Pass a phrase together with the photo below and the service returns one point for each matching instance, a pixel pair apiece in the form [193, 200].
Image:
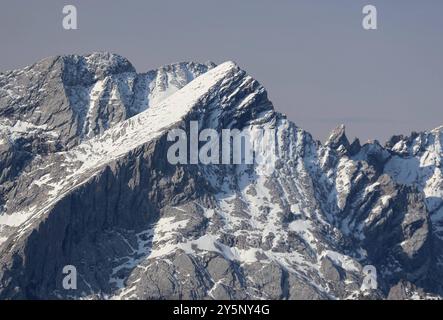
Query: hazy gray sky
[318, 64]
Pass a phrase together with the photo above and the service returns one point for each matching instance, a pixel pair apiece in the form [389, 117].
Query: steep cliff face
[61, 101]
[86, 182]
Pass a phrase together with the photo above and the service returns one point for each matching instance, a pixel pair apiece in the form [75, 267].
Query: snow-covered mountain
[85, 181]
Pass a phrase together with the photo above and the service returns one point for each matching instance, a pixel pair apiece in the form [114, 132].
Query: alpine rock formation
[85, 182]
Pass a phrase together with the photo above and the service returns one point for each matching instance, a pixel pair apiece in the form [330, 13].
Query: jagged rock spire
[338, 139]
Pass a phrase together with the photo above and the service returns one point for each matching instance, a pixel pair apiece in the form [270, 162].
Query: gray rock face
[60, 102]
[85, 181]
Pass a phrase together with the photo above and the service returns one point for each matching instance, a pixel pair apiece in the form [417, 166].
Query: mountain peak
[438, 129]
[97, 65]
[187, 65]
[338, 138]
[85, 149]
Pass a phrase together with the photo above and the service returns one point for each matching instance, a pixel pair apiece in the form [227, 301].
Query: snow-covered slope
[96, 191]
[76, 165]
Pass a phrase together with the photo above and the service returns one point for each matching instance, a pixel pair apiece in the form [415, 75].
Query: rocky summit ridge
[85, 181]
